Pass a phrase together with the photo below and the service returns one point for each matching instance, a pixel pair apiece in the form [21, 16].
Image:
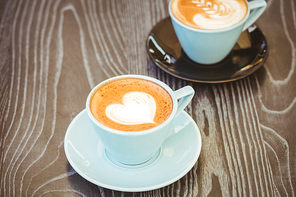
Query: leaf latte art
[209, 14]
[137, 108]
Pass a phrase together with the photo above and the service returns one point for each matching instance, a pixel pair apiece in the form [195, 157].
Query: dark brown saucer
[249, 53]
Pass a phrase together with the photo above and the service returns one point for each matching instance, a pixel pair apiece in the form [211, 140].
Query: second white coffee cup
[212, 46]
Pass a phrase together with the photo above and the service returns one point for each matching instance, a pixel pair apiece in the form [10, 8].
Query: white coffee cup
[132, 148]
[212, 46]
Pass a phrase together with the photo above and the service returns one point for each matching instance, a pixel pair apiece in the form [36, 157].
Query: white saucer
[176, 157]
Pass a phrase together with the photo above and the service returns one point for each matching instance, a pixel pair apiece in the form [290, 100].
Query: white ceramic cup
[134, 148]
[212, 46]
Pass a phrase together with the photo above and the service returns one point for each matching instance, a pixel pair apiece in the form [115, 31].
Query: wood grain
[52, 52]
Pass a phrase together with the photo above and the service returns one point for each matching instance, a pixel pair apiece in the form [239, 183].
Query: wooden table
[52, 52]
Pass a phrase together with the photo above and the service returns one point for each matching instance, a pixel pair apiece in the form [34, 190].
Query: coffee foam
[137, 108]
[112, 104]
[209, 14]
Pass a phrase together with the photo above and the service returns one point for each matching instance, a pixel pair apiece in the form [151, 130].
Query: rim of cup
[209, 30]
[141, 132]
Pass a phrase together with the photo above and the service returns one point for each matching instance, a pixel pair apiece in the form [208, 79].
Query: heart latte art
[209, 14]
[137, 108]
[131, 104]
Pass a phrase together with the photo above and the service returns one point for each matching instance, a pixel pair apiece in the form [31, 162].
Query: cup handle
[185, 95]
[258, 8]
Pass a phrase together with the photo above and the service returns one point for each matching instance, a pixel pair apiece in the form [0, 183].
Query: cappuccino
[131, 104]
[209, 14]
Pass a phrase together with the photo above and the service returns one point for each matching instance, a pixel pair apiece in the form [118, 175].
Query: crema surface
[209, 14]
[131, 104]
